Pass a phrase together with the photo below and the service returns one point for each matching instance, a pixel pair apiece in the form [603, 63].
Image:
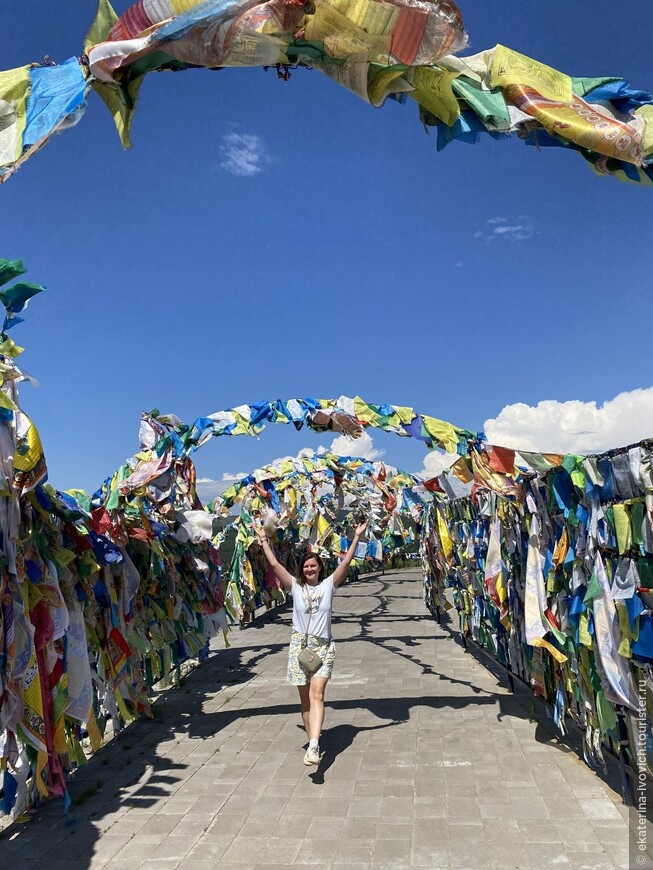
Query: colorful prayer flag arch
[378, 49]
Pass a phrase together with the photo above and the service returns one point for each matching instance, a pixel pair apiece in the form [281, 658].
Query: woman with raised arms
[312, 595]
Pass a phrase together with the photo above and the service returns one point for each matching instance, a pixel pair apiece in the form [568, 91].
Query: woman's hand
[360, 528]
[259, 531]
[341, 571]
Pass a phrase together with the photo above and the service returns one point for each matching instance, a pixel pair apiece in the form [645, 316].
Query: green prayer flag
[490, 106]
[15, 298]
[593, 590]
[10, 269]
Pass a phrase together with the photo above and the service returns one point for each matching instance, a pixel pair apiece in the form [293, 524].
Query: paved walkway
[429, 761]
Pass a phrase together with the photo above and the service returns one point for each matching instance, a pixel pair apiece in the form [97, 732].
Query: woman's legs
[305, 704]
[311, 699]
[316, 690]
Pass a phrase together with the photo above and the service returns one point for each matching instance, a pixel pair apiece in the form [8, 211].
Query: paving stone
[433, 857]
[400, 831]
[549, 856]
[582, 861]
[210, 847]
[155, 839]
[612, 832]
[289, 826]
[539, 831]
[134, 855]
[508, 856]
[354, 851]
[227, 824]
[317, 850]
[108, 846]
[160, 864]
[429, 808]
[392, 850]
[599, 809]
[468, 853]
[369, 808]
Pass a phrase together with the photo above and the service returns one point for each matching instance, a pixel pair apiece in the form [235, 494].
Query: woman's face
[311, 570]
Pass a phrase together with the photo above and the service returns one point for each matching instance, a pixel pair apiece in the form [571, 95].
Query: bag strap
[310, 613]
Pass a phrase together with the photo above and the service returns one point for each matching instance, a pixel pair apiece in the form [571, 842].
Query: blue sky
[355, 260]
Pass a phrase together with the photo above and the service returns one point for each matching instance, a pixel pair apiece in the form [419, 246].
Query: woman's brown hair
[300, 568]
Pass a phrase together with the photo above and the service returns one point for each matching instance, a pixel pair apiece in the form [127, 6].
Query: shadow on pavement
[336, 740]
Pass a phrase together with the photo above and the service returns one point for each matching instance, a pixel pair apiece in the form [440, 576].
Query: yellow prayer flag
[443, 433]
[381, 84]
[433, 91]
[584, 636]
[557, 655]
[323, 527]
[63, 556]
[15, 86]
[445, 537]
[462, 470]
[646, 113]
[105, 18]
[624, 648]
[6, 402]
[364, 412]
[622, 528]
[41, 765]
[27, 460]
[561, 549]
[93, 731]
[7, 347]
[511, 68]
[184, 5]
[119, 99]
[405, 414]
[248, 574]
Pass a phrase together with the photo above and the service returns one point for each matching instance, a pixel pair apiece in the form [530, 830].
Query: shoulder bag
[308, 659]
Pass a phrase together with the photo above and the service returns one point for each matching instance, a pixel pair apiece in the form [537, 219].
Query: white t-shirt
[316, 600]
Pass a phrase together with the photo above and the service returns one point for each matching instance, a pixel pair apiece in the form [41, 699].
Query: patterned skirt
[326, 649]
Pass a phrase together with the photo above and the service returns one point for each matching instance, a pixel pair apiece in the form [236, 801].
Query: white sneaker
[312, 756]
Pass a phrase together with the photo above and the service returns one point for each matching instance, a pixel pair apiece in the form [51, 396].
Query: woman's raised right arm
[282, 574]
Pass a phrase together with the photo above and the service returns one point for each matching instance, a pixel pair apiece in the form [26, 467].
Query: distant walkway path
[429, 762]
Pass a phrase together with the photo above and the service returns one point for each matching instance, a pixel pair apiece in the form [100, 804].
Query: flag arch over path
[378, 49]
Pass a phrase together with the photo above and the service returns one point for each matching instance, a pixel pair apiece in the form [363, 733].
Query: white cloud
[435, 463]
[244, 154]
[574, 426]
[500, 228]
[308, 452]
[520, 231]
[362, 447]
[208, 489]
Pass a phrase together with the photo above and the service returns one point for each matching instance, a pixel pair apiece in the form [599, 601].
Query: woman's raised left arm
[341, 571]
